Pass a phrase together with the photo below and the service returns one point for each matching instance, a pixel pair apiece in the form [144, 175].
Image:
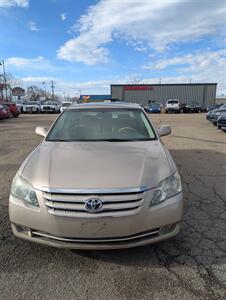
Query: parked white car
[173, 105]
[31, 107]
[64, 106]
[50, 107]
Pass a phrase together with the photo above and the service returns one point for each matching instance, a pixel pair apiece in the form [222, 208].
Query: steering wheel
[127, 128]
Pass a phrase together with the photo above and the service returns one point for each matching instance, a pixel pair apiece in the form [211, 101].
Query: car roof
[106, 105]
[220, 109]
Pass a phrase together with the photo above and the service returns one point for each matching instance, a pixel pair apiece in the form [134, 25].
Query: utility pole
[52, 87]
[160, 80]
[44, 84]
[190, 80]
[4, 75]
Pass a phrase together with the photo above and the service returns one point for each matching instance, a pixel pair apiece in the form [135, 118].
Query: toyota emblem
[93, 205]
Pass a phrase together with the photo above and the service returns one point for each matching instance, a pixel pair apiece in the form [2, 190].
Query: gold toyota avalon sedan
[101, 179]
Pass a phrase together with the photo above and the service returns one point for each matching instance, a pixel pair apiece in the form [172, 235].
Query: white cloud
[157, 24]
[195, 60]
[73, 88]
[63, 16]
[37, 63]
[37, 80]
[205, 66]
[14, 3]
[33, 26]
[69, 87]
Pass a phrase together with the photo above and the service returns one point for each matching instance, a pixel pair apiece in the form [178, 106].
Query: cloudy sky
[88, 44]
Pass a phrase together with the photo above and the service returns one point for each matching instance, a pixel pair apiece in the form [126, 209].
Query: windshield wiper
[117, 140]
[96, 140]
[60, 140]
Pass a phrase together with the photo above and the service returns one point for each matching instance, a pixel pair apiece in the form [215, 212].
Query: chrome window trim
[94, 191]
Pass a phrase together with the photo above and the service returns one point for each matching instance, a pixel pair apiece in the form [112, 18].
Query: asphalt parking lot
[192, 266]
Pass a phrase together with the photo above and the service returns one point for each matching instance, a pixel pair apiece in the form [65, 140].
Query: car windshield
[32, 103]
[155, 105]
[49, 103]
[102, 125]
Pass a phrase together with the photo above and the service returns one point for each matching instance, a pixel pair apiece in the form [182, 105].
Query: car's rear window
[172, 101]
[102, 124]
[66, 104]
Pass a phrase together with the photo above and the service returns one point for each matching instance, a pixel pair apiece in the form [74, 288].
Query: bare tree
[134, 79]
[34, 93]
[12, 81]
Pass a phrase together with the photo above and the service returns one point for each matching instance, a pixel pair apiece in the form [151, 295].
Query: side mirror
[164, 130]
[41, 130]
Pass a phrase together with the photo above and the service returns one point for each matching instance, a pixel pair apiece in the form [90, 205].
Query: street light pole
[2, 63]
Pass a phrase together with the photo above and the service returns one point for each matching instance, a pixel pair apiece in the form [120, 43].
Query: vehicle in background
[77, 203]
[223, 106]
[212, 107]
[4, 112]
[64, 106]
[50, 107]
[31, 107]
[173, 105]
[19, 104]
[216, 114]
[221, 122]
[14, 111]
[153, 108]
[208, 114]
[193, 107]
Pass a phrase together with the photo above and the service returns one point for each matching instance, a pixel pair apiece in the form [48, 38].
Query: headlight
[24, 190]
[167, 188]
[217, 113]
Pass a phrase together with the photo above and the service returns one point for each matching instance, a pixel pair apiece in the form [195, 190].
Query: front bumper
[221, 122]
[150, 225]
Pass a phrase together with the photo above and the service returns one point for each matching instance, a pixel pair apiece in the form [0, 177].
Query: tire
[11, 115]
[218, 126]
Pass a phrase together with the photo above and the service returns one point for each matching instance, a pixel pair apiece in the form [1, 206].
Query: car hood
[98, 165]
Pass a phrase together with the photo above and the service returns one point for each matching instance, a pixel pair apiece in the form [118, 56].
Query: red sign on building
[137, 88]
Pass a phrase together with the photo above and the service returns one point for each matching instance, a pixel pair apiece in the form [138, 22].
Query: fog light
[167, 228]
[24, 230]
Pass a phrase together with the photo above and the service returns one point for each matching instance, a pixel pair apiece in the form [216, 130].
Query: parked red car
[4, 112]
[14, 110]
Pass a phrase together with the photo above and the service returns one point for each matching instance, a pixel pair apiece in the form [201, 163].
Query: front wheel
[218, 126]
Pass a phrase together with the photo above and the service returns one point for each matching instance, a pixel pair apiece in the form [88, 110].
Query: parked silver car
[173, 105]
[101, 179]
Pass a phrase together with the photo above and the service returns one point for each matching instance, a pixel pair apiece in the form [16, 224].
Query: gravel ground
[192, 266]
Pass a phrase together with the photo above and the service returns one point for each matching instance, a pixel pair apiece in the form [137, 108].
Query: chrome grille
[73, 205]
